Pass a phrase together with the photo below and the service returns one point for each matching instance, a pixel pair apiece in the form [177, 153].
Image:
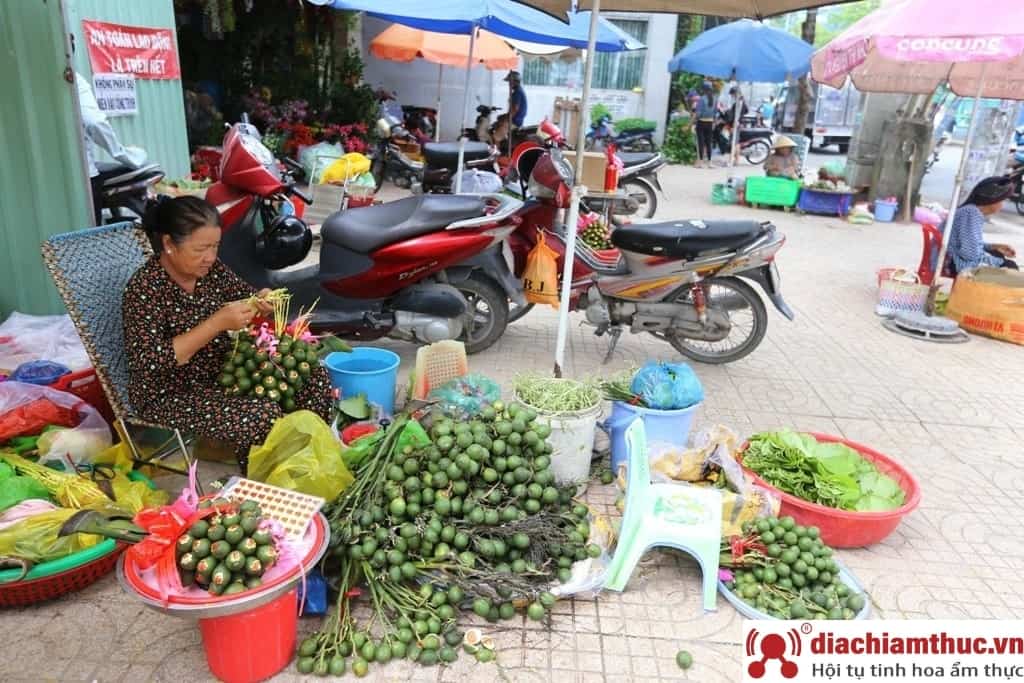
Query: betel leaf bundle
[830, 474]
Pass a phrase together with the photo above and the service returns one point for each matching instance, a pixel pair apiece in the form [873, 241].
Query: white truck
[833, 113]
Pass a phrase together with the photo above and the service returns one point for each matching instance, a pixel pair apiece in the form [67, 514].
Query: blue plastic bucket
[885, 211]
[366, 370]
[670, 426]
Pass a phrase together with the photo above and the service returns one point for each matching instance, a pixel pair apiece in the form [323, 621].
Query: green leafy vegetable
[830, 474]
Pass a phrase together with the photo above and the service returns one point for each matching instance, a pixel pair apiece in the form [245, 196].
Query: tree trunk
[803, 106]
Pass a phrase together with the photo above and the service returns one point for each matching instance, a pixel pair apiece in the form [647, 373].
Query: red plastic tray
[845, 528]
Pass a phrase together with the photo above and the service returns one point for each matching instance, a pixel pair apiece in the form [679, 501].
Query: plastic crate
[828, 203]
[722, 194]
[772, 191]
[86, 385]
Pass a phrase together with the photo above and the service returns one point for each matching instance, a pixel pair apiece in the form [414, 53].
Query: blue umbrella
[746, 50]
[503, 17]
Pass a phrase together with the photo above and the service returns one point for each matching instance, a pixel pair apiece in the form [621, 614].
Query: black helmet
[284, 243]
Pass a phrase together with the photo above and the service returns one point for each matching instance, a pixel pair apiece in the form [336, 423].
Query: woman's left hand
[1005, 249]
[262, 305]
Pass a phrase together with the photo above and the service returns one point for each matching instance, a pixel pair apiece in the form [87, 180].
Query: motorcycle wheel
[516, 312]
[487, 317]
[1020, 204]
[644, 195]
[742, 303]
[757, 152]
[377, 170]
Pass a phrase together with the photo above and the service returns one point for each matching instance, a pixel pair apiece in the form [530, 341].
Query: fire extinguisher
[611, 169]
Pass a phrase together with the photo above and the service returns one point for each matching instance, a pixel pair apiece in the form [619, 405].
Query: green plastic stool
[688, 518]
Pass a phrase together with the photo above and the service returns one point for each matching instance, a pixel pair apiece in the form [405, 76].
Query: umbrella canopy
[506, 18]
[757, 9]
[746, 50]
[404, 44]
[914, 46]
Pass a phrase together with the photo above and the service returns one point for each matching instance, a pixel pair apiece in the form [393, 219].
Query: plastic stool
[688, 518]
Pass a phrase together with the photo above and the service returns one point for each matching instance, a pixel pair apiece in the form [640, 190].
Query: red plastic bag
[33, 417]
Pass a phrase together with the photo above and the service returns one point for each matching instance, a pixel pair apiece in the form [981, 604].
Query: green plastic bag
[16, 489]
[301, 454]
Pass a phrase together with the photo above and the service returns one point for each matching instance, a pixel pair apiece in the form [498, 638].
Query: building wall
[159, 127]
[43, 187]
[416, 83]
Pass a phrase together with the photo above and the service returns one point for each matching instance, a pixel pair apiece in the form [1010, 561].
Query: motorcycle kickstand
[615, 332]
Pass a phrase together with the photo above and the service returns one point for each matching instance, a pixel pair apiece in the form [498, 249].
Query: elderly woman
[967, 248]
[783, 161]
[178, 308]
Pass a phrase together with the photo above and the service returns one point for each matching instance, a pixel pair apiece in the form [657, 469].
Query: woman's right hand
[234, 316]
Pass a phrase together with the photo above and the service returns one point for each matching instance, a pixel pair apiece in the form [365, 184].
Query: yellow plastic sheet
[301, 454]
[35, 538]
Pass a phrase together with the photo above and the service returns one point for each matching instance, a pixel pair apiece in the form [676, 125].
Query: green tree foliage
[680, 141]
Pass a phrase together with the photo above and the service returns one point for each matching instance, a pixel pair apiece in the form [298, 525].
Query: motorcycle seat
[754, 133]
[446, 154]
[119, 174]
[685, 239]
[635, 158]
[366, 229]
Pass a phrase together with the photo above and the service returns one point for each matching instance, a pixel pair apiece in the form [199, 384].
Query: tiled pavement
[952, 414]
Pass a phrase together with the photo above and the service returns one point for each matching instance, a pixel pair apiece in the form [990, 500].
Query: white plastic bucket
[572, 443]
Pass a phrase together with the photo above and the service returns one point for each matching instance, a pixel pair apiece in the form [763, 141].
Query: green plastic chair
[687, 518]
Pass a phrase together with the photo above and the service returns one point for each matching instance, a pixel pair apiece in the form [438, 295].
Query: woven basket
[901, 292]
[99, 561]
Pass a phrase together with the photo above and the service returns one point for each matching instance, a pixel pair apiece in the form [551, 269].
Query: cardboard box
[990, 302]
[594, 164]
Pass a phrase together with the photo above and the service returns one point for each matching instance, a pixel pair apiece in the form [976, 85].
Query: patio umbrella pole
[437, 114]
[735, 124]
[465, 112]
[957, 186]
[574, 200]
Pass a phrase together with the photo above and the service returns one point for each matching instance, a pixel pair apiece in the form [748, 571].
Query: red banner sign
[139, 50]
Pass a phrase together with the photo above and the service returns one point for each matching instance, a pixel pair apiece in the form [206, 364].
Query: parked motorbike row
[432, 266]
[437, 266]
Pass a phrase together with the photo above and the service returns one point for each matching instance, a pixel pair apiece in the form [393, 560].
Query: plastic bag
[16, 489]
[315, 158]
[667, 386]
[345, 167]
[475, 181]
[23, 510]
[302, 454]
[466, 396]
[25, 338]
[28, 409]
[136, 495]
[709, 461]
[35, 538]
[540, 277]
[40, 372]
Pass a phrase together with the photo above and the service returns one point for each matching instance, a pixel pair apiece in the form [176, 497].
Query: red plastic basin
[845, 528]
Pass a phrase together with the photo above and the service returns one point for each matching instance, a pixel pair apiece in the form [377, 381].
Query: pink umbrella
[914, 46]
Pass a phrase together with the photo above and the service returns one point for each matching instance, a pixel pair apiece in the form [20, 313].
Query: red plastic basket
[86, 385]
[845, 528]
[21, 593]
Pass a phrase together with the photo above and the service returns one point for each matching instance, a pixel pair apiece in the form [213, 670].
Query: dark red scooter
[423, 269]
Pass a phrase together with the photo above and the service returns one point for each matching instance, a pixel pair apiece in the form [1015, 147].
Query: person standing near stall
[516, 100]
[705, 112]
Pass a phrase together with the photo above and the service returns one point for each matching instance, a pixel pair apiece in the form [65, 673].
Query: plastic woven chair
[91, 269]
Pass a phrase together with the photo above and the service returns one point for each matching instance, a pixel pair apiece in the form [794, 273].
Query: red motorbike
[422, 269]
[686, 282]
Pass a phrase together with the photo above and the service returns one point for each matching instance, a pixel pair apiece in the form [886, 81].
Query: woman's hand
[263, 306]
[1005, 249]
[234, 316]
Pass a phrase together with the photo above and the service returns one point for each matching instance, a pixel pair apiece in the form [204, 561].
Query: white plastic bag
[316, 158]
[72, 446]
[475, 181]
[25, 338]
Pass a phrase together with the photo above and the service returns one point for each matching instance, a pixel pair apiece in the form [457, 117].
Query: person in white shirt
[96, 131]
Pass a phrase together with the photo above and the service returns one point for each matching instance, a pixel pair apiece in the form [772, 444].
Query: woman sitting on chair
[177, 309]
[783, 161]
[967, 248]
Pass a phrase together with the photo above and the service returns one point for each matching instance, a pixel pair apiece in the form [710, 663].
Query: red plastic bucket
[845, 528]
[254, 645]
